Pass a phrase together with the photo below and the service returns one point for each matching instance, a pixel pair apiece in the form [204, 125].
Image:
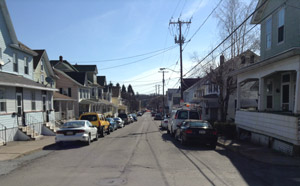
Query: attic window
[252, 59]
[243, 60]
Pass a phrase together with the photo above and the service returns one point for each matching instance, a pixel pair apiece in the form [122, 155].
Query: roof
[188, 82]
[115, 91]
[260, 7]
[80, 77]
[86, 68]
[7, 79]
[60, 97]
[56, 64]
[37, 59]
[101, 80]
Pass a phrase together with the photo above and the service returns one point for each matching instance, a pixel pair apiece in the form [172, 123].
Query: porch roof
[286, 54]
[60, 97]
[13, 80]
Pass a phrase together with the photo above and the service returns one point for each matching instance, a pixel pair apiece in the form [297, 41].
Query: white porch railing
[57, 116]
[70, 114]
[279, 126]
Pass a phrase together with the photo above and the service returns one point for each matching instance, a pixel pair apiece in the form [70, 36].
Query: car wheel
[101, 132]
[88, 142]
[97, 137]
[168, 131]
[183, 141]
[108, 130]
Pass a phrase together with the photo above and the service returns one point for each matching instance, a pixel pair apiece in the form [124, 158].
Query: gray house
[276, 123]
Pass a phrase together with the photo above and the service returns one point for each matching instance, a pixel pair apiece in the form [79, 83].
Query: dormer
[280, 26]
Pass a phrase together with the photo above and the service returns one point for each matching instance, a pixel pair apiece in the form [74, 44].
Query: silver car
[79, 130]
[119, 121]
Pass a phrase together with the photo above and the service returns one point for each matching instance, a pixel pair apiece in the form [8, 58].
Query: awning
[60, 97]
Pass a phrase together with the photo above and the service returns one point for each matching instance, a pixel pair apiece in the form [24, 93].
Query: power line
[118, 59]
[125, 64]
[226, 37]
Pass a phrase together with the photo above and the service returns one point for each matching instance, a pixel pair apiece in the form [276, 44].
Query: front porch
[275, 122]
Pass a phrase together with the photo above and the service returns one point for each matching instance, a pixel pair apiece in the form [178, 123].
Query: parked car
[153, 113]
[198, 131]
[130, 118]
[97, 120]
[124, 117]
[113, 125]
[178, 116]
[140, 113]
[120, 122]
[164, 123]
[158, 116]
[78, 130]
[134, 116]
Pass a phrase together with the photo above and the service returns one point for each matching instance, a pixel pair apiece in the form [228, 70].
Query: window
[269, 87]
[60, 90]
[183, 115]
[33, 104]
[42, 79]
[42, 65]
[26, 65]
[269, 102]
[286, 78]
[69, 92]
[2, 101]
[81, 93]
[93, 92]
[252, 59]
[281, 25]
[15, 62]
[243, 59]
[269, 33]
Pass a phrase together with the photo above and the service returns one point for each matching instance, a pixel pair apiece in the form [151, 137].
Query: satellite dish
[49, 80]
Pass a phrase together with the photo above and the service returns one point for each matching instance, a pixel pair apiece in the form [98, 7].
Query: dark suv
[124, 117]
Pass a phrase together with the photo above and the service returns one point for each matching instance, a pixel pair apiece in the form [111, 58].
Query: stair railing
[3, 131]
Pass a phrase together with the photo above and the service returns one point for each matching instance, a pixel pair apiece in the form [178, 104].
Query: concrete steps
[51, 127]
[30, 133]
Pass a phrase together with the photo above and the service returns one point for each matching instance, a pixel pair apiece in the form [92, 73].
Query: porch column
[297, 94]
[238, 96]
[67, 110]
[73, 103]
[261, 94]
[60, 113]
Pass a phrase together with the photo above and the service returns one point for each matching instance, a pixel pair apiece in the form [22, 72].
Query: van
[97, 120]
[178, 116]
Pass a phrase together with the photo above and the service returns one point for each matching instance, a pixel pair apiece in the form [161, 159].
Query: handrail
[3, 133]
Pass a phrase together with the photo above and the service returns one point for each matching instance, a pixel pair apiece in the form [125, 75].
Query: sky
[128, 40]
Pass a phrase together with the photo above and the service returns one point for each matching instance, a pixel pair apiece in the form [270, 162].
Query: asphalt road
[140, 155]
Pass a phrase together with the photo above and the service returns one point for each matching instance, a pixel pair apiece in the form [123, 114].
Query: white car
[119, 121]
[164, 123]
[78, 130]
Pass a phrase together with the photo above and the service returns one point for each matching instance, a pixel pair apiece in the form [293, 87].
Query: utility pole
[163, 81]
[180, 41]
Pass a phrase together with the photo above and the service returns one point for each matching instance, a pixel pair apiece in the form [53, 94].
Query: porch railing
[34, 125]
[3, 130]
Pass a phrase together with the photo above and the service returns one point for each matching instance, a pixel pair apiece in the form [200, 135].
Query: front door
[45, 107]
[19, 102]
[285, 87]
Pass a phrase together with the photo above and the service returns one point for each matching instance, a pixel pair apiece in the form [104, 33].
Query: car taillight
[59, 132]
[188, 131]
[214, 132]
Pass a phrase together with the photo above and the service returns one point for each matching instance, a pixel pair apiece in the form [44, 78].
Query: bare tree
[230, 16]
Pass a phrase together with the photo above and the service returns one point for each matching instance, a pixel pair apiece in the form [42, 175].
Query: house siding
[291, 29]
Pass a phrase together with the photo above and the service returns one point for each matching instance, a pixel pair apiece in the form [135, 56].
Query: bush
[227, 129]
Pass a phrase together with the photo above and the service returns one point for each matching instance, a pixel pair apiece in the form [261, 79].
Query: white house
[23, 102]
[276, 123]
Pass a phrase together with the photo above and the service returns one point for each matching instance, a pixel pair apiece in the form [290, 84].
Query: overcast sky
[92, 31]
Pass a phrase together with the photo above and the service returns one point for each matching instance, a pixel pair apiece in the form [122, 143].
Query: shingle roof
[101, 80]
[16, 80]
[36, 59]
[115, 91]
[58, 96]
[86, 68]
[188, 82]
[77, 76]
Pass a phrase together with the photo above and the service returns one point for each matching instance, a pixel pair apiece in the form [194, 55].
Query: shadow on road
[64, 146]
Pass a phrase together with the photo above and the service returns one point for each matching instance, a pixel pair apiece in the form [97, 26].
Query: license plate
[202, 132]
[69, 133]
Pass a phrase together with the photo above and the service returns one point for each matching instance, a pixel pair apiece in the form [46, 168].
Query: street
[142, 154]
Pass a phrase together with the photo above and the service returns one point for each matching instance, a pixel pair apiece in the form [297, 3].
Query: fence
[3, 131]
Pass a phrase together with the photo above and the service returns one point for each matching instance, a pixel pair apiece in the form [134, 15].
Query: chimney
[221, 60]
[60, 59]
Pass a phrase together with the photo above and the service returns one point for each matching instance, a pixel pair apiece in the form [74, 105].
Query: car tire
[108, 131]
[88, 142]
[97, 137]
[101, 133]
[168, 131]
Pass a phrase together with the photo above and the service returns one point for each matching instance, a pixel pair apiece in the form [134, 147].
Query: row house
[25, 104]
[205, 93]
[276, 123]
[105, 95]
[118, 101]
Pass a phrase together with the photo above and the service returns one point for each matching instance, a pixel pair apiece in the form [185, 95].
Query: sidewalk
[259, 153]
[17, 149]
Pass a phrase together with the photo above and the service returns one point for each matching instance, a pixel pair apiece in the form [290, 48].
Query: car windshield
[198, 124]
[89, 117]
[116, 119]
[183, 115]
[73, 124]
